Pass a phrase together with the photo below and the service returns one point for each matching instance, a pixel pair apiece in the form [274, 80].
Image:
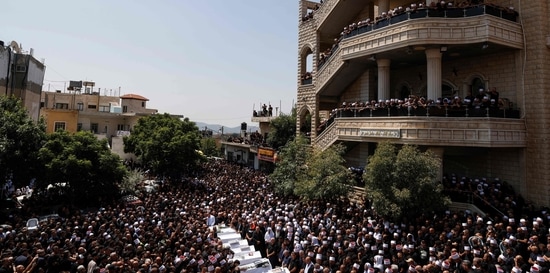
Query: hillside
[226, 130]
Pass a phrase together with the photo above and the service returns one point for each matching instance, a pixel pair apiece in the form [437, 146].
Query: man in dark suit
[308, 265]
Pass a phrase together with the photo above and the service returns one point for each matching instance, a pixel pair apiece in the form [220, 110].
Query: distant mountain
[226, 130]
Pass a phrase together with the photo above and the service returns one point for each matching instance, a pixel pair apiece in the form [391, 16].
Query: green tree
[20, 139]
[403, 183]
[90, 171]
[283, 129]
[165, 145]
[291, 166]
[209, 147]
[311, 174]
[326, 176]
[130, 182]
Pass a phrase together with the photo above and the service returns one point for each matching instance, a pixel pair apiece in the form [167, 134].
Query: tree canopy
[20, 139]
[311, 174]
[283, 129]
[209, 147]
[290, 167]
[325, 177]
[84, 167]
[166, 145]
[403, 182]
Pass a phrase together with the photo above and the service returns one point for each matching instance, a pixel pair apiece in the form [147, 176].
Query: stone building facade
[387, 51]
[108, 117]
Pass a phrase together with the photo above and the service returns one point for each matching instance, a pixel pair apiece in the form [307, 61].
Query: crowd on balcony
[325, 55]
[484, 103]
[174, 231]
[440, 6]
[307, 78]
[267, 111]
[254, 139]
[309, 14]
[454, 7]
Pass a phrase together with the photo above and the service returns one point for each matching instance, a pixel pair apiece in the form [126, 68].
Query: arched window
[305, 124]
[404, 92]
[476, 84]
[306, 66]
[446, 90]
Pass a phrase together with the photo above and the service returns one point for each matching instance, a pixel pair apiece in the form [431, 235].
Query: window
[104, 108]
[79, 126]
[20, 68]
[59, 125]
[92, 106]
[120, 127]
[61, 106]
[94, 127]
[446, 91]
[80, 106]
[124, 109]
[143, 104]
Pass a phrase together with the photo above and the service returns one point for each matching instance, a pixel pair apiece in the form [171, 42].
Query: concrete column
[383, 79]
[438, 153]
[383, 6]
[433, 56]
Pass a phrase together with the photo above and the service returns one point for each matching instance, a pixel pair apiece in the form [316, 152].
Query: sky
[211, 61]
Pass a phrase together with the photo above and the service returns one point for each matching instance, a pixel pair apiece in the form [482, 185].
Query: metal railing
[506, 14]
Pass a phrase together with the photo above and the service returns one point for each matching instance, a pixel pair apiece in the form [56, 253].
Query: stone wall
[535, 85]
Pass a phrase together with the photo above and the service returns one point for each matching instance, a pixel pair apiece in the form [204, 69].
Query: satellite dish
[16, 47]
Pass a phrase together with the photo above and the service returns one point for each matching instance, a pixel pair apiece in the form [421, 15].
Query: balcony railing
[431, 131]
[325, 138]
[434, 13]
[433, 111]
[436, 111]
[333, 63]
[324, 10]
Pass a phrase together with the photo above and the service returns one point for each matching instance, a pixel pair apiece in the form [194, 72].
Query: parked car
[33, 224]
[47, 218]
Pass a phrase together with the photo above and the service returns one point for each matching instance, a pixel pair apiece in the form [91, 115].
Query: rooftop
[134, 96]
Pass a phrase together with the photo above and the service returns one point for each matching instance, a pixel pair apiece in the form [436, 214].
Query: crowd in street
[174, 230]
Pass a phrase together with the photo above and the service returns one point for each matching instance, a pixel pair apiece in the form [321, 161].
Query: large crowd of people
[174, 230]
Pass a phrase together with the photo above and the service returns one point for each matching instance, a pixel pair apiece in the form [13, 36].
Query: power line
[49, 67]
[53, 81]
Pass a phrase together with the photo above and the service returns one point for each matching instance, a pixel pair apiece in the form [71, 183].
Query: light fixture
[443, 49]
[372, 58]
[410, 50]
[485, 45]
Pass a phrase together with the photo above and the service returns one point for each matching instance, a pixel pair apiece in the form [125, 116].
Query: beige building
[247, 149]
[84, 108]
[387, 51]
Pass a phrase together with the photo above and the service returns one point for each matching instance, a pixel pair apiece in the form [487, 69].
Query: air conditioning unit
[20, 68]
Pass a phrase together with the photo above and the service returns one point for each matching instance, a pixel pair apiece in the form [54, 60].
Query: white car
[33, 224]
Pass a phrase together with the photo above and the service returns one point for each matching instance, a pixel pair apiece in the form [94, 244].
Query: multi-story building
[21, 75]
[249, 148]
[82, 107]
[367, 70]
